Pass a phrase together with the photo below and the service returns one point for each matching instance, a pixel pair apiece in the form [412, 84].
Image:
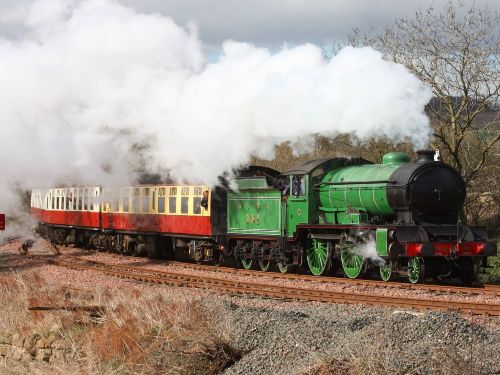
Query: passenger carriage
[148, 219]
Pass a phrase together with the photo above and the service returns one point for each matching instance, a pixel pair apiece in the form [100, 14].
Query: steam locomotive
[400, 218]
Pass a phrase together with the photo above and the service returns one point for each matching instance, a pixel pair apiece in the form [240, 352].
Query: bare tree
[456, 51]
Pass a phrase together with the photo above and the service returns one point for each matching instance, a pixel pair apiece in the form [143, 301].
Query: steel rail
[481, 289]
[489, 289]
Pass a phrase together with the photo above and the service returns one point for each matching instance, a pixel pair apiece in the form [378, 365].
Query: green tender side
[252, 183]
[254, 209]
[359, 187]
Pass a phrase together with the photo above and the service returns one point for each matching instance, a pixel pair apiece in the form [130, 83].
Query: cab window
[298, 185]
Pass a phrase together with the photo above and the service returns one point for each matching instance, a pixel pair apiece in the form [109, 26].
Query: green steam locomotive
[400, 217]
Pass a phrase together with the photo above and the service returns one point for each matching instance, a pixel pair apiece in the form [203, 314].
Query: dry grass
[137, 332]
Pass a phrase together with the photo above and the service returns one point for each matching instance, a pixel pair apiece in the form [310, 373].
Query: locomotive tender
[400, 216]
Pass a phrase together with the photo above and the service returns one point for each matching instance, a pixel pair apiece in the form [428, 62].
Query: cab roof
[326, 164]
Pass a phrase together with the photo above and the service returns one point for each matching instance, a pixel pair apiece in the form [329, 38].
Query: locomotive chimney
[424, 156]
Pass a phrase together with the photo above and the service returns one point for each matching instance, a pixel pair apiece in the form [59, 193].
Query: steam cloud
[368, 250]
[91, 78]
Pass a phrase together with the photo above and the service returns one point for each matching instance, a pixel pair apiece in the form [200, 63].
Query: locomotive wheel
[387, 271]
[264, 265]
[468, 270]
[218, 259]
[354, 265]
[416, 270]
[247, 263]
[283, 267]
[318, 256]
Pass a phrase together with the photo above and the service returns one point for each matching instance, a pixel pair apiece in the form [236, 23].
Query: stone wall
[51, 347]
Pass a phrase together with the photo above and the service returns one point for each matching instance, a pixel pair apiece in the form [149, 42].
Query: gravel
[295, 340]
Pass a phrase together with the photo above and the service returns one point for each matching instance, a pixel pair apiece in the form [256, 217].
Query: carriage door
[297, 206]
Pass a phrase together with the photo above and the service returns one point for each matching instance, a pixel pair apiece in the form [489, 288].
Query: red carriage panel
[72, 218]
[37, 214]
[177, 224]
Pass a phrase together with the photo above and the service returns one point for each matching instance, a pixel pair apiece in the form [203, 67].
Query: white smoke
[368, 250]
[93, 77]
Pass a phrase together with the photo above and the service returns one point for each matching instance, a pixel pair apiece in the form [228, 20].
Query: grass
[492, 274]
[136, 333]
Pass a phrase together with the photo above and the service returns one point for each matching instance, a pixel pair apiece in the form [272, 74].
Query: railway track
[225, 285]
[483, 289]
[489, 289]
[474, 290]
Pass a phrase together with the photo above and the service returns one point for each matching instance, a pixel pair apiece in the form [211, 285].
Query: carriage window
[91, 200]
[135, 204]
[172, 205]
[153, 203]
[173, 191]
[69, 200]
[125, 204]
[136, 192]
[197, 205]
[185, 190]
[145, 204]
[57, 203]
[116, 204]
[198, 190]
[85, 200]
[161, 191]
[53, 203]
[95, 204]
[184, 205]
[161, 205]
